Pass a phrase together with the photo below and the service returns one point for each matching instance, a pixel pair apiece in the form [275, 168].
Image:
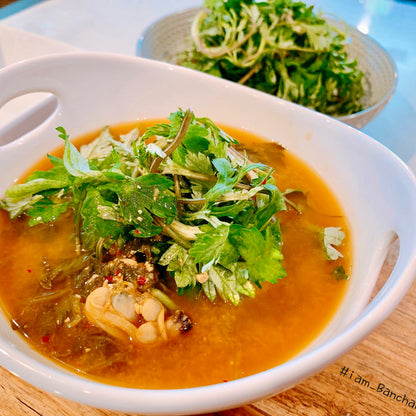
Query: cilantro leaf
[228, 177]
[332, 236]
[275, 204]
[45, 211]
[224, 283]
[178, 261]
[233, 210]
[27, 189]
[18, 206]
[213, 246]
[261, 253]
[74, 163]
[94, 226]
[147, 195]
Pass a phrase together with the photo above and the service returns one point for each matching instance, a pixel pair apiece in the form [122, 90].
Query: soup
[214, 339]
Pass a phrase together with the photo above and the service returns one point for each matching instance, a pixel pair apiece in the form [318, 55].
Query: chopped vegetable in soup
[172, 255]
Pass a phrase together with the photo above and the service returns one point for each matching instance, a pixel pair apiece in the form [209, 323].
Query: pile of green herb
[281, 47]
[215, 209]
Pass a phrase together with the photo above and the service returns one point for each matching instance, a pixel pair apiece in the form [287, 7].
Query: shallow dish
[168, 36]
[93, 90]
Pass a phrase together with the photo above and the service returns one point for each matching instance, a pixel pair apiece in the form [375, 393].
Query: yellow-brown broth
[226, 342]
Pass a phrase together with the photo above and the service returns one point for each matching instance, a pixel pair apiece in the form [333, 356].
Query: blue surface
[16, 7]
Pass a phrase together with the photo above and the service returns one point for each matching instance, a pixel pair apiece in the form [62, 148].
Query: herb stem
[163, 298]
[186, 121]
[249, 74]
[180, 232]
[215, 52]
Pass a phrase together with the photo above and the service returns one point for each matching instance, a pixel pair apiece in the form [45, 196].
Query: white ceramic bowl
[170, 35]
[375, 188]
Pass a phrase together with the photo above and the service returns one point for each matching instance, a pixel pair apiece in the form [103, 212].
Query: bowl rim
[217, 396]
[349, 118]
[377, 107]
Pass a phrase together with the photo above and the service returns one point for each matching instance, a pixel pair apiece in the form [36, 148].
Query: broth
[226, 342]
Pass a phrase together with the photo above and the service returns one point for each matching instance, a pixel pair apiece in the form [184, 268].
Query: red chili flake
[29, 270]
[264, 182]
[117, 272]
[225, 381]
[118, 252]
[141, 280]
[109, 279]
[136, 231]
[45, 339]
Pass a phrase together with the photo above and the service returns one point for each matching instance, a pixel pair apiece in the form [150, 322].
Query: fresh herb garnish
[215, 208]
[332, 237]
[278, 46]
[339, 273]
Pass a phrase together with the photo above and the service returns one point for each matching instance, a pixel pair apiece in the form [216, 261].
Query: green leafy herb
[332, 236]
[278, 46]
[217, 213]
[339, 273]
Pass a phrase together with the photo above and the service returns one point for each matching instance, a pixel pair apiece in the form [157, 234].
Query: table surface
[377, 377]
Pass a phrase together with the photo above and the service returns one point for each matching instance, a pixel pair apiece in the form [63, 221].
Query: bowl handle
[32, 76]
[24, 78]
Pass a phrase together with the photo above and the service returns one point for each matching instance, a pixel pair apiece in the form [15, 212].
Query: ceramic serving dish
[376, 190]
[170, 35]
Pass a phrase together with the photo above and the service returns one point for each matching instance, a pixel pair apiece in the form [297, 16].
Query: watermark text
[380, 388]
